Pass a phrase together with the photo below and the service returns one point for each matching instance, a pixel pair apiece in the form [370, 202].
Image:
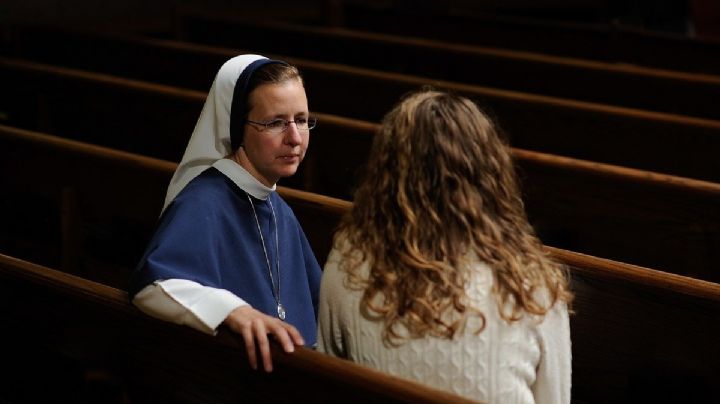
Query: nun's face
[267, 156]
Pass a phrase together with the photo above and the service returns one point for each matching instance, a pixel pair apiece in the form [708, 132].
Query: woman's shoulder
[281, 205]
[209, 180]
[209, 190]
[284, 212]
[343, 256]
[481, 285]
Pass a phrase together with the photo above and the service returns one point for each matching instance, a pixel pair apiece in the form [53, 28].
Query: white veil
[210, 141]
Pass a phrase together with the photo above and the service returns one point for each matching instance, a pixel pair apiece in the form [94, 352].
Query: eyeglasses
[278, 126]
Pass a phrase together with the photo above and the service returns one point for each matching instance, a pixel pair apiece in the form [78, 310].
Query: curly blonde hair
[440, 185]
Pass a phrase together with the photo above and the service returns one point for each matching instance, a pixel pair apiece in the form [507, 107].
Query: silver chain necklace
[275, 289]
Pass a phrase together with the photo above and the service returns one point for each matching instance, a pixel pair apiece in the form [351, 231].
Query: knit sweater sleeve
[554, 372]
[331, 302]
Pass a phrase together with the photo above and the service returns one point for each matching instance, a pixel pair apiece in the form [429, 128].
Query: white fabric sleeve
[188, 303]
[554, 373]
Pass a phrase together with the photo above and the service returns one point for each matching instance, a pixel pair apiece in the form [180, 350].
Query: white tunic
[524, 362]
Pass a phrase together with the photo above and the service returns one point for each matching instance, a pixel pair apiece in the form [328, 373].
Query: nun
[228, 249]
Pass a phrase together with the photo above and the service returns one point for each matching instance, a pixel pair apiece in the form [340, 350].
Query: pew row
[626, 215]
[634, 327]
[654, 89]
[93, 328]
[608, 42]
[654, 141]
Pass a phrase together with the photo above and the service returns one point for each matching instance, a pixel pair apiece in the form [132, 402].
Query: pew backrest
[607, 42]
[163, 362]
[641, 335]
[626, 85]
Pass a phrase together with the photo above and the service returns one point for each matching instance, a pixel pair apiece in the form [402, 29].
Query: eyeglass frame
[311, 122]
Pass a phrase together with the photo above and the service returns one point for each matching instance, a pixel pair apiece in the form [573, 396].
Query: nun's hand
[254, 328]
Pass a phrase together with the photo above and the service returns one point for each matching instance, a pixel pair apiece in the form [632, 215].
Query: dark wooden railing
[116, 352]
[683, 93]
[612, 43]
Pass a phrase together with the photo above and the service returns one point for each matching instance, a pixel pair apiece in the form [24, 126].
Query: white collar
[243, 179]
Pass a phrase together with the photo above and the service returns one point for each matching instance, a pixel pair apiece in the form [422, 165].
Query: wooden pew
[593, 208]
[641, 335]
[94, 330]
[634, 327]
[612, 43]
[654, 89]
[634, 214]
[654, 141]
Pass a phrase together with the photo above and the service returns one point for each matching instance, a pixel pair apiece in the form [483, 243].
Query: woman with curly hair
[436, 275]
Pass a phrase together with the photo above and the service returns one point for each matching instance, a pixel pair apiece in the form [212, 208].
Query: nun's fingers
[287, 335]
[262, 341]
[249, 339]
[241, 321]
[254, 327]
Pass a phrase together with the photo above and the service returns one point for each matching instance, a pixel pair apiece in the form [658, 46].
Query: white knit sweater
[524, 362]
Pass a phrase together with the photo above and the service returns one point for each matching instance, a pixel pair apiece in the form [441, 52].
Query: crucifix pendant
[281, 311]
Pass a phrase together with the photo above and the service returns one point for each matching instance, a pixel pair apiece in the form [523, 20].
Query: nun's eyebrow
[282, 115]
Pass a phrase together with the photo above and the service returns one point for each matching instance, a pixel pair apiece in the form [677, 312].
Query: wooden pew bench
[678, 145]
[662, 222]
[640, 87]
[65, 322]
[641, 335]
[611, 43]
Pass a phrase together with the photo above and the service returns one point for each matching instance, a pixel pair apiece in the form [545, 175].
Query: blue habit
[208, 234]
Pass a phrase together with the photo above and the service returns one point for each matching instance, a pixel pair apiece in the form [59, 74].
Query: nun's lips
[289, 157]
